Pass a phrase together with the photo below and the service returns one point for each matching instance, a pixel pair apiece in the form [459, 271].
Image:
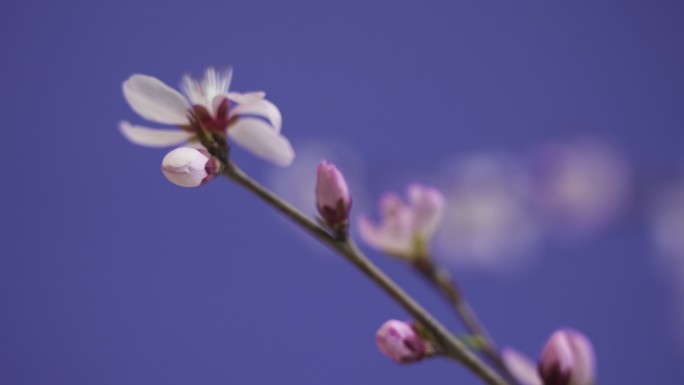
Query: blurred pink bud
[399, 341]
[189, 167]
[405, 229]
[332, 195]
[567, 359]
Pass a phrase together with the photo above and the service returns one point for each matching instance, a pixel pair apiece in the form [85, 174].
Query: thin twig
[451, 345]
[443, 282]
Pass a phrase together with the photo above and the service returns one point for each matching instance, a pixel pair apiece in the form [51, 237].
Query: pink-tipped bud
[399, 341]
[189, 167]
[333, 200]
[567, 359]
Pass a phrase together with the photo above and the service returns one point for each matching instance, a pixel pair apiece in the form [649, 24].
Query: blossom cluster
[207, 110]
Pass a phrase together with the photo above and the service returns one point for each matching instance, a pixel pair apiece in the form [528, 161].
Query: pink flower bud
[332, 195]
[399, 341]
[189, 167]
[567, 359]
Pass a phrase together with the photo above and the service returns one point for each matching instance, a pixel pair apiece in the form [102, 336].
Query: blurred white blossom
[580, 186]
[488, 222]
[667, 228]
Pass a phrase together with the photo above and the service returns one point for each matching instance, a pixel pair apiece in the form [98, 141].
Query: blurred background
[555, 129]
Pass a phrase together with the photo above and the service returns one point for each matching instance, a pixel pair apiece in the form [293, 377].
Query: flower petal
[155, 101]
[390, 237]
[263, 108]
[427, 204]
[521, 367]
[262, 140]
[249, 97]
[152, 137]
[371, 234]
[584, 356]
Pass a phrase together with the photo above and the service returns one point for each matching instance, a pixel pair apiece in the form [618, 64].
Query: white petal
[371, 234]
[427, 204]
[261, 108]
[203, 91]
[387, 237]
[521, 367]
[152, 137]
[155, 101]
[262, 140]
[249, 97]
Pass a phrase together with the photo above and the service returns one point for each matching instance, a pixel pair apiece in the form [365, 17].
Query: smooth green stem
[450, 345]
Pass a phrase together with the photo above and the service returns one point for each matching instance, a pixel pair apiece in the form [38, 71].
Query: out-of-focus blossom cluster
[667, 219]
[667, 226]
[500, 208]
[579, 187]
[495, 210]
[489, 218]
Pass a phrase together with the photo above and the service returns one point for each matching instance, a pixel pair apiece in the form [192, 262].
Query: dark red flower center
[207, 121]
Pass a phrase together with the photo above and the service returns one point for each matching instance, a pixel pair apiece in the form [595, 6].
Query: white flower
[253, 124]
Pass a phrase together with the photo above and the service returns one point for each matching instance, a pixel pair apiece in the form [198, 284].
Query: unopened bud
[399, 341]
[332, 195]
[567, 359]
[189, 167]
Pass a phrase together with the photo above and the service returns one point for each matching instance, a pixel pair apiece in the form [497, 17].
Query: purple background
[110, 275]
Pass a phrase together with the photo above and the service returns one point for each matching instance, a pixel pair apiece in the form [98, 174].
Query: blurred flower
[405, 229]
[667, 224]
[399, 341]
[332, 195]
[667, 227]
[253, 124]
[580, 186]
[567, 359]
[189, 167]
[488, 221]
